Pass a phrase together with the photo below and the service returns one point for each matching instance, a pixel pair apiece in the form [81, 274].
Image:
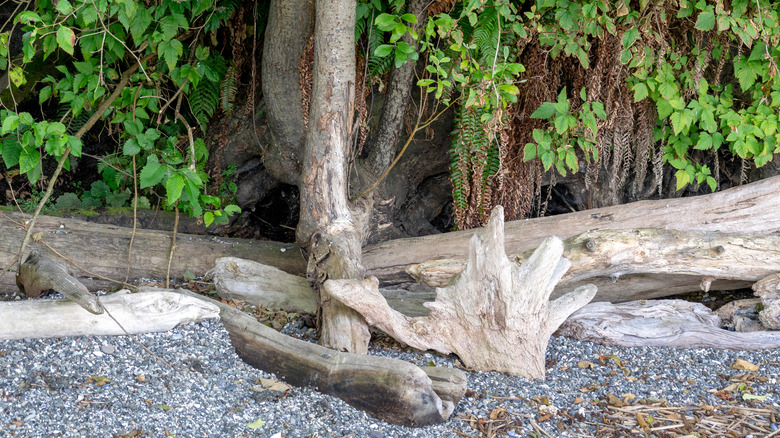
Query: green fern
[205, 99]
[486, 34]
[227, 90]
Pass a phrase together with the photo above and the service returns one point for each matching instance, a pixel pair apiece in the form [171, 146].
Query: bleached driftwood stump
[495, 315]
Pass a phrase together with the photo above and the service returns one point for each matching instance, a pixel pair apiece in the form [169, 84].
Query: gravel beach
[111, 387]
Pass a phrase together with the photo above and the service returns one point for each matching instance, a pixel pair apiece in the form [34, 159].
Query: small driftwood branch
[495, 315]
[39, 273]
[663, 323]
[389, 389]
[138, 313]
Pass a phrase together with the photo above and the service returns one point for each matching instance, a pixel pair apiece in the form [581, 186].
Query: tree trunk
[289, 27]
[327, 228]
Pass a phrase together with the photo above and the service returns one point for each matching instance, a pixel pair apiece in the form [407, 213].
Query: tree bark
[327, 228]
[290, 23]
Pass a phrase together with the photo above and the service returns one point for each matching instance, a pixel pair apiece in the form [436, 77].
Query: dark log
[389, 389]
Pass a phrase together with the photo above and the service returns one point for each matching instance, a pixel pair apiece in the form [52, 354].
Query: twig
[173, 248]
[135, 221]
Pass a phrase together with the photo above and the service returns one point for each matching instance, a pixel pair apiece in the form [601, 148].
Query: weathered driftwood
[138, 313]
[266, 286]
[635, 264]
[496, 315]
[749, 209]
[103, 250]
[40, 273]
[663, 323]
[389, 389]
[768, 289]
[740, 315]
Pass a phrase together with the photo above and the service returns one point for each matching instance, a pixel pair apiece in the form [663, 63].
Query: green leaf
[640, 91]
[10, 123]
[64, 7]
[131, 147]
[746, 75]
[174, 187]
[208, 218]
[11, 151]
[561, 124]
[706, 21]
[256, 424]
[152, 173]
[598, 108]
[68, 200]
[232, 209]
[29, 161]
[385, 22]
[66, 39]
[170, 51]
[683, 178]
[141, 21]
[383, 50]
[409, 18]
[571, 161]
[545, 111]
[705, 141]
[630, 37]
[530, 152]
[99, 190]
[754, 397]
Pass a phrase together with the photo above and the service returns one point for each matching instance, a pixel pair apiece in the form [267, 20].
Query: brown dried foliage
[306, 78]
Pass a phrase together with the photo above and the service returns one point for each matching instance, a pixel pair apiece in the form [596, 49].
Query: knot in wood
[590, 245]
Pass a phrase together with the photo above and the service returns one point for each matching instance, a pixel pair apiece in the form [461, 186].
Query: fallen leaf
[584, 364]
[165, 408]
[256, 424]
[141, 378]
[274, 385]
[754, 397]
[614, 400]
[578, 400]
[542, 400]
[232, 267]
[628, 396]
[740, 364]
[497, 413]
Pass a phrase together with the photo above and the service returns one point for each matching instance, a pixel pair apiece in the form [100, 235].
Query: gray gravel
[107, 386]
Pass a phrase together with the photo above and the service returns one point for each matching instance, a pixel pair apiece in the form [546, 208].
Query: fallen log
[663, 323]
[137, 313]
[749, 209]
[629, 265]
[495, 315]
[389, 389]
[266, 286]
[102, 249]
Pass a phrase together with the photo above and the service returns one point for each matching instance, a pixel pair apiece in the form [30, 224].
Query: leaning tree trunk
[327, 229]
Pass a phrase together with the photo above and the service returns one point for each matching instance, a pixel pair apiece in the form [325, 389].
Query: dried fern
[227, 91]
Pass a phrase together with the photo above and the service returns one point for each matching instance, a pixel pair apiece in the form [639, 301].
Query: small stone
[108, 348]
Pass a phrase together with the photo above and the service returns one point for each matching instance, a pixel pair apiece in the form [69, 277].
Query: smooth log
[102, 249]
[495, 315]
[137, 313]
[749, 209]
[389, 389]
[628, 265]
[266, 286]
[662, 323]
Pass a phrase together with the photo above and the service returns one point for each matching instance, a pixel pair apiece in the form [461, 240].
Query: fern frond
[227, 90]
[204, 101]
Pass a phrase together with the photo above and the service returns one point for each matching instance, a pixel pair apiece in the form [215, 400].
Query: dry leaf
[274, 385]
[584, 364]
[740, 364]
[141, 378]
[232, 267]
[628, 396]
[615, 400]
[578, 400]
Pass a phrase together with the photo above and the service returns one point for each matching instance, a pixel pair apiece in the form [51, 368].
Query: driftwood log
[266, 286]
[495, 315]
[389, 389]
[664, 323]
[768, 289]
[39, 273]
[750, 209]
[137, 313]
[634, 264]
[102, 249]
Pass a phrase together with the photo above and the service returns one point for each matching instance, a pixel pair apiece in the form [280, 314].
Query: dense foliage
[133, 65]
[617, 86]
